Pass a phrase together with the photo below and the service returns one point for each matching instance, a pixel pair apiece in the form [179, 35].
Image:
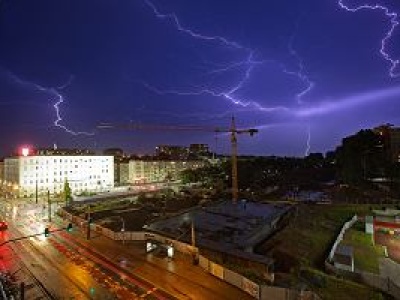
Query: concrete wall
[346, 226]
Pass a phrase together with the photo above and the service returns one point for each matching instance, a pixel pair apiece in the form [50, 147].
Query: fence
[254, 289]
[128, 235]
[384, 284]
[257, 291]
[339, 238]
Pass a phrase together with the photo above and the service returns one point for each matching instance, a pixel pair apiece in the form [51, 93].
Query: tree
[67, 192]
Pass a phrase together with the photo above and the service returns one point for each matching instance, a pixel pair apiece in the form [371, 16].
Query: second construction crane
[233, 131]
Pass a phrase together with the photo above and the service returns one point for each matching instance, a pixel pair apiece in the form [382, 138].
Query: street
[68, 266]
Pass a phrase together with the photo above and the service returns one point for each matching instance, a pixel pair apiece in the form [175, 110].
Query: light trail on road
[86, 252]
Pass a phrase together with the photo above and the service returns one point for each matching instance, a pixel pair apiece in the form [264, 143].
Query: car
[3, 225]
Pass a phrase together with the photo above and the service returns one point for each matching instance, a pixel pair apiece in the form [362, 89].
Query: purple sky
[306, 72]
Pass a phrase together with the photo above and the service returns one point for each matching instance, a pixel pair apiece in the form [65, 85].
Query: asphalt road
[67, 266]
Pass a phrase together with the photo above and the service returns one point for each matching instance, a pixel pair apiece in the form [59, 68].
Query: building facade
[43, 173]
[151, 171]
[391, 140]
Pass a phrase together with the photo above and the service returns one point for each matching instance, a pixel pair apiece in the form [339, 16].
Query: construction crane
[233, 131]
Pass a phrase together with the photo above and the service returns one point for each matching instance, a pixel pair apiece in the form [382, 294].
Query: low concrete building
[226, 230]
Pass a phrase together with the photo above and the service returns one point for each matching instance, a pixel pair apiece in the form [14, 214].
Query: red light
[25, 151]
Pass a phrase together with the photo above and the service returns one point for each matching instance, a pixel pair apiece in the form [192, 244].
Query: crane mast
[235, 185]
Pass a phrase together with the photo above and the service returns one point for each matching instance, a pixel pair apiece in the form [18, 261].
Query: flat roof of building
[225, 226]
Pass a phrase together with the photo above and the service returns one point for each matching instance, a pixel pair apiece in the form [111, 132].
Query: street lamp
[123, 230]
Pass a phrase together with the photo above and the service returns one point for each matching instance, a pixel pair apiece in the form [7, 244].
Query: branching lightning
[394, 23]
[193, 34]
[58, 98]
[300, 73]
[249, 63]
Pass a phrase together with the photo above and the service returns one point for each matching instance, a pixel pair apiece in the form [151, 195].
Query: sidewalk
[177, 276]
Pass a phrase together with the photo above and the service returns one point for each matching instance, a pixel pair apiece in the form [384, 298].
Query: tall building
[391, 140]
[119, 161]
[84, 173]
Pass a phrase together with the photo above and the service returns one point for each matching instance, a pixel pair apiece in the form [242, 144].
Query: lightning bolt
[228, 94]
[189, 32]
[58, 98]
[247, 66]
[300, 73]
[308, 144]
[394, 23]
[249, 63]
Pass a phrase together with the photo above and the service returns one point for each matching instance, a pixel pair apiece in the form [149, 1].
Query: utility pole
[88, 224]
[49, 204]
[195, 255]
[193, 236]
[22, 290]
[36, 192]
[123, 230]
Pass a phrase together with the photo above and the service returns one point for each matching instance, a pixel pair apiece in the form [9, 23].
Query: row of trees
[261, 173]
[360, 160]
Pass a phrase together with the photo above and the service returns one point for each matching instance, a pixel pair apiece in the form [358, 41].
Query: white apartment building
[87, 173]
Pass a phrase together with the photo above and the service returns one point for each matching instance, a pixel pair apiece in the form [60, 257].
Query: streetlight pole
[123, 230]
[88, 224]
[36, 191]
[49, 204]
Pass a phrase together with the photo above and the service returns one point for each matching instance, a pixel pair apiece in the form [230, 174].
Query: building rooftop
[224, 227]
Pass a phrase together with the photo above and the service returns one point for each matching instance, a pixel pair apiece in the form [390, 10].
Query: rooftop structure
[61, 151]
[225, 227]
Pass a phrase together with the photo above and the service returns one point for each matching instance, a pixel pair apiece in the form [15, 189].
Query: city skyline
[305, 74]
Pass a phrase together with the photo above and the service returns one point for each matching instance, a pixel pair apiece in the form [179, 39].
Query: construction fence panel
[108, 233]
[136, 236]
[250, 287]
[204, 263]
[118, 236]
[217, 270]
[233, 278]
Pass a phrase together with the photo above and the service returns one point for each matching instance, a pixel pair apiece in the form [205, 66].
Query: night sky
[305, 72]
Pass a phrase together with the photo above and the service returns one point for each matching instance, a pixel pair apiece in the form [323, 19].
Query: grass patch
[309, 237]
[333, 288]
[366, 254]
